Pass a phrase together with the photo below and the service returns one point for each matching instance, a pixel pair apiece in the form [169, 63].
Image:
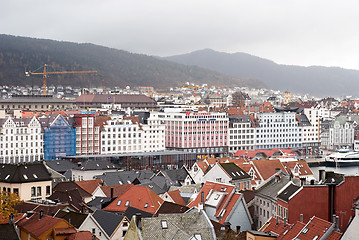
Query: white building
[278, 130]
[127, 134]
[21, 140]
[241, 133]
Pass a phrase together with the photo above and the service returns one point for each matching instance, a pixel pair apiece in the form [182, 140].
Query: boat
[342, 158]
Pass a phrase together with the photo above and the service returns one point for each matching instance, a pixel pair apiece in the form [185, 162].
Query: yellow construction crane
[45, 75]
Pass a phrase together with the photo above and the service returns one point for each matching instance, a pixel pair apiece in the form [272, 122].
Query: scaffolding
[59, 141]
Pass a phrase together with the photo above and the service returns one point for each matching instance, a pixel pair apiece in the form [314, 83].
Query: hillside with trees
[115, 67]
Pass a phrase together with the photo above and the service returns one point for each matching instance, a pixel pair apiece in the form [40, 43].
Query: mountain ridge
[316, 80]
[115, 67]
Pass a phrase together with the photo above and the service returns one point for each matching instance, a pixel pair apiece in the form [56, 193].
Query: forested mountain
[115, 67]
[316, 80]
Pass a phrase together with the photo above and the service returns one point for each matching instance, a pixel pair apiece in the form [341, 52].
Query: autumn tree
[7, 203]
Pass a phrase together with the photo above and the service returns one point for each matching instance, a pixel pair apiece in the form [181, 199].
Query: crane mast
[45, 74]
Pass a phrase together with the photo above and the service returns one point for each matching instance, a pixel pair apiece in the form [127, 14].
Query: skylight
[25, 176]
[127, 203]
[146, 205]
[119, 202]
[164, 224]
[7, 177]
[35, 176]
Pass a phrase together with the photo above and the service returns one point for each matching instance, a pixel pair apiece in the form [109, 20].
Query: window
[146, 205]
[48, 190]
[15, 190]
[124, 233]
[119, 202]
[38, 191]
[127, 203]
[33, 192]
[93, 231]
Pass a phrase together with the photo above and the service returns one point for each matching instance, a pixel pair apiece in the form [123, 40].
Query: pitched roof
[74, 218]
[60, 166]
[73, 197]
[302, 165]
[107, 220]
[177, 226]
[8, 231]
[125, 177]
[66, 186]
[114, 98]
[235, 172]
[24, 172]
[96, 165]
[286, 193]
[36, 226]
[137, 196]
[82, 235]
[118, 190]
[90, 185]
[266, 168]
[131, 211]
[170, 207]
[202, 165]
[176, 197]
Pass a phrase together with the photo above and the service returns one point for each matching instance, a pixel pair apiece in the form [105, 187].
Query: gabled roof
[23, 173]
[178, 226]
[139, 197]
[202, 165]
[97, 165]
[131, 211]
[125, 177]
[60, 166]
[36, 226]
[67, 186]
[170, 207]
[73, 197]
[287, 192]
[302, 166]
[272, 186]
[266, 168]
[108, 221]
[74, 218]
[176, 175]
[315, 228]
[90, 185]
[176, 197]
[82, 235]
[234, 172]
[118, 190]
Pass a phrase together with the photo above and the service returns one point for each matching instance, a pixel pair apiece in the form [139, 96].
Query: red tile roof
[36, 226]
[267, 168]
[271, 226]
[176, 197]
[302, 165]
[118, 190]
[232, 202]
[90, 185]
[202, 165]
[139, 197]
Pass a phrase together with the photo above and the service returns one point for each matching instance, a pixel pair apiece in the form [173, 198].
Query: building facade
[278, 130]
[20, 140]
[241, 133]
[59, 137]
[203, 133]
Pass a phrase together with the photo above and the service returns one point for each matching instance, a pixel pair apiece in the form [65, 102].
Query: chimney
[202, 199]
[321, 175]
[312, 182]
[41, 213]
[277, 220]
[302, 181]
[138, 220]
[111, 193]
[301, 217]
[336, 226]
[11, 218]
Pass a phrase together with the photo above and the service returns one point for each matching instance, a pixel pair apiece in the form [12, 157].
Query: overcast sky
[300, 32]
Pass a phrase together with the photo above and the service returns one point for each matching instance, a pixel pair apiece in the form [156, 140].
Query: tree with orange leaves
[7, 202]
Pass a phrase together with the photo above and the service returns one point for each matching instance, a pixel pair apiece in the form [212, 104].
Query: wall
[25, 189]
